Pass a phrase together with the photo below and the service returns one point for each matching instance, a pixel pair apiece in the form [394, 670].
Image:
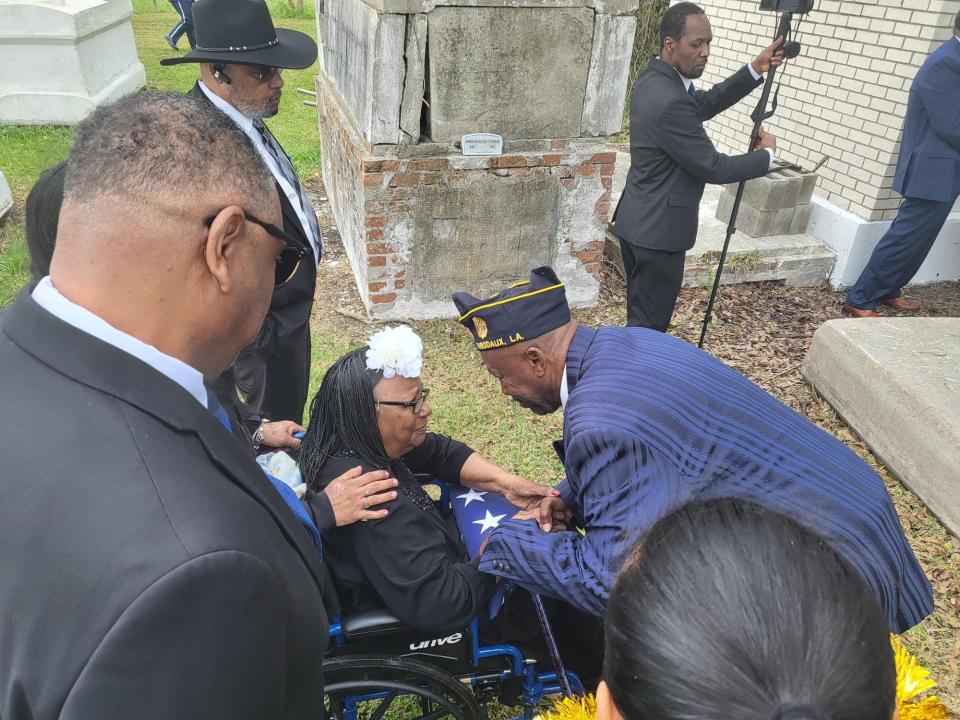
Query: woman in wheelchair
[372, 410]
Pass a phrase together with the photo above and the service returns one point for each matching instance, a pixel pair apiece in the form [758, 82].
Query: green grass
[26, 151]
[14, 261]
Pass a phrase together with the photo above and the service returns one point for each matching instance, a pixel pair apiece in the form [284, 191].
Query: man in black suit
[150, 570]
[671, 158]
[242, 58]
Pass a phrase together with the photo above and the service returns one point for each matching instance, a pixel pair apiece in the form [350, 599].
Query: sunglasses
[417, 404]
[265, 73]
[291, 255]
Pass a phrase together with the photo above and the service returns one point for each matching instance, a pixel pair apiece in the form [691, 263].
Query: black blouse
[412, 562]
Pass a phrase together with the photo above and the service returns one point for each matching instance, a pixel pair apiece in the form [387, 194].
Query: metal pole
[758, 116]
[551, 645]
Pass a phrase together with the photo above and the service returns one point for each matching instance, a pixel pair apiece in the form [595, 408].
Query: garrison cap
[523, 311]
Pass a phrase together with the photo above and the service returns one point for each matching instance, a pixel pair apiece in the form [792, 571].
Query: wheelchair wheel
[366, 687]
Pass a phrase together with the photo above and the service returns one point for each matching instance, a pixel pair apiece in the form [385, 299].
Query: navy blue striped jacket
[651, 423]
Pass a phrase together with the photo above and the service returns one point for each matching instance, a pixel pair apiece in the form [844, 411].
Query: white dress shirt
[687, 82]
[50, 299]
[246, 124]
[564, 392]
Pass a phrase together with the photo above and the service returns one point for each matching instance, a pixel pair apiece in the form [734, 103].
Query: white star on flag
[489, 522]
[470, 496]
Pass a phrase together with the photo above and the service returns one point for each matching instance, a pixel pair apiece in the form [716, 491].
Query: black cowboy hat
[241, 32]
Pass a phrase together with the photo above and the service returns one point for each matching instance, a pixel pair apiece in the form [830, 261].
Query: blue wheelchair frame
[534, 686]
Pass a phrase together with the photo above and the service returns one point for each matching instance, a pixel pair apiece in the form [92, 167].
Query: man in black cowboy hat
[242, 57]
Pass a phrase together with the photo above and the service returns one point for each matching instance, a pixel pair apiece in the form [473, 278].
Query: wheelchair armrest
[369, 623]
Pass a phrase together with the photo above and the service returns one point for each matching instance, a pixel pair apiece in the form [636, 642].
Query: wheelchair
[376, 665]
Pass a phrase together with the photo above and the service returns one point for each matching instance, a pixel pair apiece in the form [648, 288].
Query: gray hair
[158, 145]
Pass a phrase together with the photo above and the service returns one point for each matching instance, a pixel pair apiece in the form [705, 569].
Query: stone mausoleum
[401, 82]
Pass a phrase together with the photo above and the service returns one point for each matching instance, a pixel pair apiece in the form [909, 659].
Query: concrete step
[798, 260]
[896, 382]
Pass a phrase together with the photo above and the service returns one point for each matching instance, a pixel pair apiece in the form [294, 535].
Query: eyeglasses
[291, 255]
[417, 404]
[265, 73]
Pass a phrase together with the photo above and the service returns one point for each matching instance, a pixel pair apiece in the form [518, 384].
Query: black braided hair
[343, 419]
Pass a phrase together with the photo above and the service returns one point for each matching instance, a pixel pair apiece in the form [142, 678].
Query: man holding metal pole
[672, 158]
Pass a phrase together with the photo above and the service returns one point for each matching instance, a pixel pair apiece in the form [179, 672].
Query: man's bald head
[150, 146]
[154, 235]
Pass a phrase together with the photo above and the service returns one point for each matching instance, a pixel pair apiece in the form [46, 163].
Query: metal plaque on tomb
[481, 144]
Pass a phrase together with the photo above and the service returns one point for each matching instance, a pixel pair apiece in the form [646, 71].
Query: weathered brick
[376, 287]
[604, 157]
[374, 235]
[380, 248]
[559, 144]
[399, 284]
[376, 261]
[568, 183]
[375, 221]
[429, 178]
[582, 170]
[383, 298]
[606, 171]
[390, 165]
[428, 165]
[551, 160]
[589, 257]
[508, 161]
[519, 172]
[374, 179]
[404, 180]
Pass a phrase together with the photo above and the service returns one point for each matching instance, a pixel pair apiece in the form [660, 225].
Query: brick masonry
[845, 97]
[387, 198]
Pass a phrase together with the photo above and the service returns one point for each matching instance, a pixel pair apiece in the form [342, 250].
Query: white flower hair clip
[395, 351]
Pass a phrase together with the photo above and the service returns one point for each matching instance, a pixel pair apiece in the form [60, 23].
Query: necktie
[217, 409]
[290, 175]
[286, 492]
[692, 91]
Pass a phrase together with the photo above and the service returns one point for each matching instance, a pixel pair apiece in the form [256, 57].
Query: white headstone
[6, 198]
[59, 59]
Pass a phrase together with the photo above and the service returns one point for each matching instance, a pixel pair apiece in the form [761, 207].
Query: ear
[606, 710]
[220, 247]
[537, 359]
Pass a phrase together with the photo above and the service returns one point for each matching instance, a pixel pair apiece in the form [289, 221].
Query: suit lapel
[96, 364]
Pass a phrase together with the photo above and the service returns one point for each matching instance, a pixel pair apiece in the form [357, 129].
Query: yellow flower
[912, 680]
[571, 708]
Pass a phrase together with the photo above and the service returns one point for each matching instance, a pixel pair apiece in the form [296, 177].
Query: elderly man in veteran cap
[242, 58]
[652, 423]
[149, 569]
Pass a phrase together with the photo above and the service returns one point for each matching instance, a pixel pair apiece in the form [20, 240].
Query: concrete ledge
[896, 382]
[6, 198]
[797, 259]
[853, 239]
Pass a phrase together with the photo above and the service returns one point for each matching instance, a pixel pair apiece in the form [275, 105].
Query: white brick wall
[845, 96]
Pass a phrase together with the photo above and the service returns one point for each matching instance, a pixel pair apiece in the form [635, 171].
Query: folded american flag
[477, 514]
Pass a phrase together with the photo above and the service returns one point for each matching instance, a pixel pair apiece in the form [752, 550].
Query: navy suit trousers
[184, 9]
[900, 252]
